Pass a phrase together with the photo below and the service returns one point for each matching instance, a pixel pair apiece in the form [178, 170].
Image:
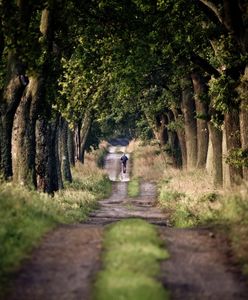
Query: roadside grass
[25, 216]
[133, 188]
[100, 156]
[192, 201]
[131, 263]
[148, 162]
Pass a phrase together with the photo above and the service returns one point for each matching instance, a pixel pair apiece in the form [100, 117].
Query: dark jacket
[124, 159]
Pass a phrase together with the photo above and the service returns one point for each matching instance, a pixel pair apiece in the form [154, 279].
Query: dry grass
[89, 168]
[193, 183]
[192, 201]
[148, 162]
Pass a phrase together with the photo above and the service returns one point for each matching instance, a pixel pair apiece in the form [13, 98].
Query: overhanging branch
[204, 64]
[214, 8]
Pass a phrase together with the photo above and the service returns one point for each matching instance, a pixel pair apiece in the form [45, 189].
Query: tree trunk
[48, 174]
[217, 168]
[23, 141]
[158, 125]
[181, 136]
[77, 139]
[161, 129]
[243, 92]
[15, 79]
[173, 141]
[84, 132]
[66, 170]
[11, 99]
[202, 127]
[54, 164]
[232, 127]
[42, 154]
[188, 109]
[71, 147]
[244, 135]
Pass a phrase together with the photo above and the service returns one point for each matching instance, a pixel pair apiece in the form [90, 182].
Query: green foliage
[170, 196]
[101, 154]
[237, 157]
[222, 92]
[133, 187]
[131, 262]
[176, 125]
[188, 212]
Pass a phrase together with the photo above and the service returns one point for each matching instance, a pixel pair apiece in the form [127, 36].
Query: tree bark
[77, 139]
[243, 93]
[174, 143]
[65, 163]
[188, 109]
[244, 134]
[47, 163]
[181, 136]
[23, 141]
[71, 147]
[56, 182]
[42, 154]
[161, 129]
[202, 127]
[11, 99]
[13, 90]
[217, 168]
[84, 132]
[232, 128]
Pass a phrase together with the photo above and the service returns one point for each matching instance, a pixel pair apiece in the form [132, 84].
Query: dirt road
[64, 265]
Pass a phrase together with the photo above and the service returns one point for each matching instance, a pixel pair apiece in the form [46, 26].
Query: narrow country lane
[64, 265]
[119, 206]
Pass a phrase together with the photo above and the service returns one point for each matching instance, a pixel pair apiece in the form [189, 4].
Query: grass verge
[133, 188]
[148, 162]
[192, 201]
[131, 263]
[25, 216]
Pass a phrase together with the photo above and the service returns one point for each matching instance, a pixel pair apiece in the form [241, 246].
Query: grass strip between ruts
[133, 188]
[131, 263]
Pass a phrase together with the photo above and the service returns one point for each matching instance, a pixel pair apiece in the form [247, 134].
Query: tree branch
[214, 8]
[204, 64]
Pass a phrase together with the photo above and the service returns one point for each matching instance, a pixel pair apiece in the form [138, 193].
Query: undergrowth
[100, 156]
[25, 216]
[131, 263]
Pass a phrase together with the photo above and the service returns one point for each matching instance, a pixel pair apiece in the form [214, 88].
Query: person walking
[124, 160]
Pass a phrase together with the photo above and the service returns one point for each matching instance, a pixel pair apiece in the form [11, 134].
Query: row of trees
[72, 69]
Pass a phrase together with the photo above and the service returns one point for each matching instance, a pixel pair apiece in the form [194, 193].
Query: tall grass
[189, 196]
[25, 216]
[193, 201]
[148, 161]
[131, 263]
